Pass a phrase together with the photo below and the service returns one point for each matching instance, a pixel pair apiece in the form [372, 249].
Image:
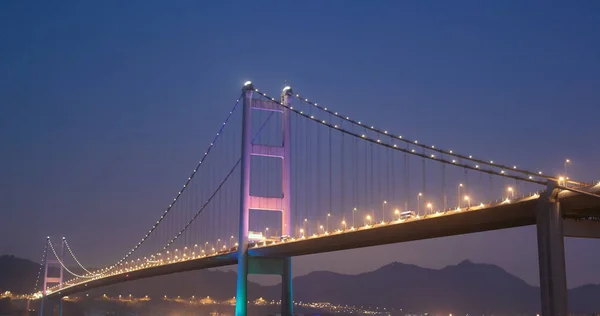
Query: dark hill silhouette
[463, 288]
[17, 275]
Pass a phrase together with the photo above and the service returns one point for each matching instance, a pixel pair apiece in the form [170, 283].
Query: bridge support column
[241, 295]
[41, 313]
[287, 298]
[551, 252]
[56, 262]
[246, 265]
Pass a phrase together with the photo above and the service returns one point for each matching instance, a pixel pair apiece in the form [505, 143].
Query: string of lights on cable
[531, 174]
[216, 191]
[37, 280]
[64, 266]
[170, 206]
[75, 258]
[364, 137]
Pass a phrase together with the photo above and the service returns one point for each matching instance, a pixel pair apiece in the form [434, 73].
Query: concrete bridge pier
[274, 266]
[41, 311]
[551, 253]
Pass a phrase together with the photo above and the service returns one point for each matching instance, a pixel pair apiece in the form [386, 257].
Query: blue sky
[98, 100]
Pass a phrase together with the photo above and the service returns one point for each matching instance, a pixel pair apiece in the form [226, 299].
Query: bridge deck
[478, 219]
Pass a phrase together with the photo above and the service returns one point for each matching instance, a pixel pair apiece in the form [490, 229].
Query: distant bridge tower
[261, 265]
[52, 262]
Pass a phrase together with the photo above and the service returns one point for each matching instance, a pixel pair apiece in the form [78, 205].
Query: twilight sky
[105, 107]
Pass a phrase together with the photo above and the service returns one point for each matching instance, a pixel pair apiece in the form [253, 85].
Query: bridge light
[247, 83]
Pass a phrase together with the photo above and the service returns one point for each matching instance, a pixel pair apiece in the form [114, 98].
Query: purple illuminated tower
[49, 263]
[261, 265]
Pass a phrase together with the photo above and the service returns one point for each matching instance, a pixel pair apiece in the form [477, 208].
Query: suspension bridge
[283, 179]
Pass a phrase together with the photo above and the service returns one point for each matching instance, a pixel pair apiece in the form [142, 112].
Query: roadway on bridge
[501, 215]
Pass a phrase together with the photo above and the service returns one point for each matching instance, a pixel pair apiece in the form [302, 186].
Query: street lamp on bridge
[304, 224]
[460, 185]
[468, 199]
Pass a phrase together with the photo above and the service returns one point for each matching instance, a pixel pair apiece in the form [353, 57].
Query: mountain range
[463, 288]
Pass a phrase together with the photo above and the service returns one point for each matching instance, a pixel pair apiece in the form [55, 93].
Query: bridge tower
[551, 253]
[261, 265]
[51, 280]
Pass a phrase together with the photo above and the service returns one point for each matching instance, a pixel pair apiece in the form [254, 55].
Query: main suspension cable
[364, 137]
[210, 198]
[64, 266]
[37, 280]
[433, 148]
[170, 207]
[75, 258]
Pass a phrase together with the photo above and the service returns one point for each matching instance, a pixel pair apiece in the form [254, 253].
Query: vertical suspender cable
[444, 186]
[330, 172]
[406, 182]
[306, 173]
[424, 180]
[342, 172]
